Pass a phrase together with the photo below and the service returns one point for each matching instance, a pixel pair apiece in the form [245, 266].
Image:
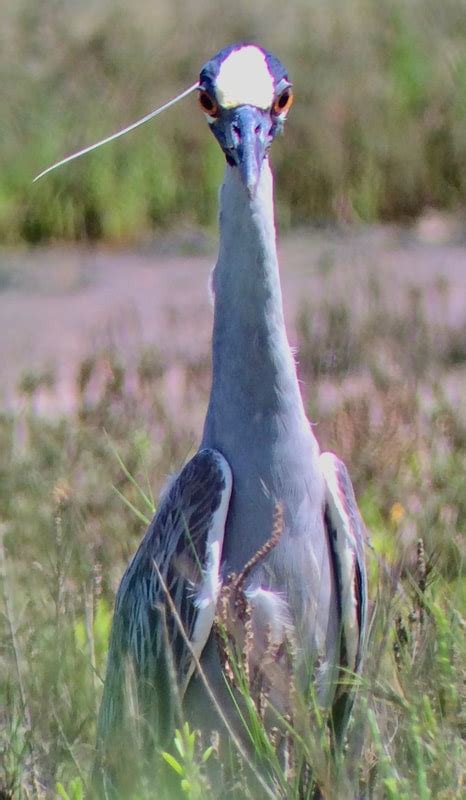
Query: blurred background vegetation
[377, 132]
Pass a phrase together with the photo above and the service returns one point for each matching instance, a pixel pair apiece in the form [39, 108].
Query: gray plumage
[258, 450]
[147, 649]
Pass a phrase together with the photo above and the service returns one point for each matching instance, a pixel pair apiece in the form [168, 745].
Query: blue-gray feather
[147, 649]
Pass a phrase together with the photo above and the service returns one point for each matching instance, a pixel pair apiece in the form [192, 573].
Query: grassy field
[377, 131]
[381, 368]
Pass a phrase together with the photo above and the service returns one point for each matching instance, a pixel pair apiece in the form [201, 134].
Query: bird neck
[253, 366]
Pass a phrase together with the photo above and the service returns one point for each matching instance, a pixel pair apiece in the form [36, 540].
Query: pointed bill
[118, 134]
[249, 144]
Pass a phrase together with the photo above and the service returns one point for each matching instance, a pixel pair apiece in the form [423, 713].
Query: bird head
[245, 94]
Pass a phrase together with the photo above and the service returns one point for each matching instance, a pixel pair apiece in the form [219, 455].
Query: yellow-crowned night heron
[258, 452]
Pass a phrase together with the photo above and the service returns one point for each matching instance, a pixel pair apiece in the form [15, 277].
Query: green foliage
[75, 790]
[189, 763]
[377, 130]
[429, 657]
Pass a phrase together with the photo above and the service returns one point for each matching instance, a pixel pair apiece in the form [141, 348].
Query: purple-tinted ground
[58, 305]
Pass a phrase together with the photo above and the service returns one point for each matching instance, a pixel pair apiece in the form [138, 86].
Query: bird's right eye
[208, 103]
[283, 102]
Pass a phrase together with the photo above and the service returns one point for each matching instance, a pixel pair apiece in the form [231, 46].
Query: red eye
[208, 103]
[283, 102]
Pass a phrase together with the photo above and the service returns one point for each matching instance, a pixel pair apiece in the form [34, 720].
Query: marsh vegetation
[383, 366]
[89, 435]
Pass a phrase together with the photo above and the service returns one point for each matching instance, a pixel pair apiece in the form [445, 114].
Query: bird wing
[346, 536]
[180, 556]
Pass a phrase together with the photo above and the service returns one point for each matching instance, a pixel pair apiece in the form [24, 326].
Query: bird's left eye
[208, 103]
[283, 102]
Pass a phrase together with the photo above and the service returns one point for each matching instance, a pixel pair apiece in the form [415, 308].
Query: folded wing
[346, 536]
[150, 662]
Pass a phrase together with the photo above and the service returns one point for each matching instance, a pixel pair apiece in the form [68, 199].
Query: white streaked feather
[118, 134]
[346, 550]
[270, 611]
[206, 599]
[211, 287]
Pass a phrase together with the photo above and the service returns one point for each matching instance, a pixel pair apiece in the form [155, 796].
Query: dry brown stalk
[263, 551]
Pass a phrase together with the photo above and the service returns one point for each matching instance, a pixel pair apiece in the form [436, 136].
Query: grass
[74, 496]
[377, 131]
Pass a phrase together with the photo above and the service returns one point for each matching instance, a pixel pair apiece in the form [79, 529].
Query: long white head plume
[118, 134]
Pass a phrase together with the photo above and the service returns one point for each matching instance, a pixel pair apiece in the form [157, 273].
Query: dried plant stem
[422, 578]
[68, 747]
[89, 611]
[172, 677]
[17, 659]
[263, 551]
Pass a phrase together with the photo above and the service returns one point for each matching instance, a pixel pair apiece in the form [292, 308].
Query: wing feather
[185, 541]
[347, 541]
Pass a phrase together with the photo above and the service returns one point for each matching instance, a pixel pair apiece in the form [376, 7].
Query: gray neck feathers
[253, 367]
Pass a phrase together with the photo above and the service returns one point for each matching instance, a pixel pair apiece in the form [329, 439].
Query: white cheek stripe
[244, 79]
